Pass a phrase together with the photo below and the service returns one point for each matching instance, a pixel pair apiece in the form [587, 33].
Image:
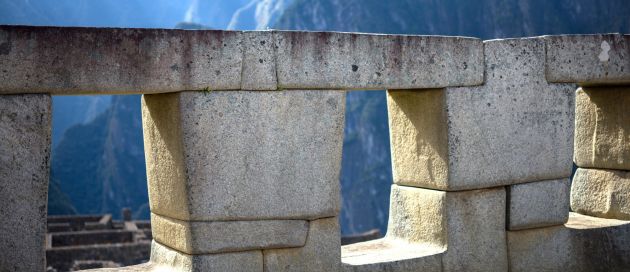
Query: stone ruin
[78, 242]
[243, 134]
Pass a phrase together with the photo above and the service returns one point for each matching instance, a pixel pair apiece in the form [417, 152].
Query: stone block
[515, 128]
[332, 60]
[583, 244]
[602, 128]
[588, 59]
[25, 123]
[418, 216]
[390, 255]
[71, 60]
[541, 249]
[164, 258]
[538, 204]
[259, 61]
[470, 225]
[202, 237]
[475, 230]
[244, 155]
[601, 193]
[320, 253]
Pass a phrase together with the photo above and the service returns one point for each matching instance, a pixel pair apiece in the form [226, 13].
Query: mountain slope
[487, 19]
[100, 165]
[258, 14]
[111, 13]
[72, 110]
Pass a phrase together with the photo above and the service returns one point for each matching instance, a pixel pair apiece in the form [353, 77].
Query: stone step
[388, 254]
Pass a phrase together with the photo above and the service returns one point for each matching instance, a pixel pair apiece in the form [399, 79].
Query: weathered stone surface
[419, 137]
[244, 155]
[515, 128]
[200, 237]
[63, 60]
[332, 60]
[320, 253]
[390, 255]
[108, 60]
[166, 259]
[418, 216]
[25, 122]
[465, 230]
[469, 225]
[601, 193]
[583, 244]
[475, 226]
[602, 132]
[541, 249]
[588, 59]
[145, 267]
[259, 61]
[538, 204]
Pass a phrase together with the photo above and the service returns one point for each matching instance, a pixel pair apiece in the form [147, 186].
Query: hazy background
[97, 163]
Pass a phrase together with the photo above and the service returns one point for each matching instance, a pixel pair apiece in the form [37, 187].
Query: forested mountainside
[366, 166]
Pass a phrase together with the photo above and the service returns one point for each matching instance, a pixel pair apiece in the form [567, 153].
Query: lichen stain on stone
[603, 56]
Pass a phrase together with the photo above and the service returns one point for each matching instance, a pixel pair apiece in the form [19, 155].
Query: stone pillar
[601, 186]
[466, 160]
[25, 122]
[584, 242]
[244, 180]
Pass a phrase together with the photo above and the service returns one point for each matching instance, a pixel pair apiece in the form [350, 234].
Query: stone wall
[243, 135]
[91, 241]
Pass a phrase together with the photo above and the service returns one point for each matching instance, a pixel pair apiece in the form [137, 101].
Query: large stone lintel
[71, 60]
[332, 60]
[588, 59]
